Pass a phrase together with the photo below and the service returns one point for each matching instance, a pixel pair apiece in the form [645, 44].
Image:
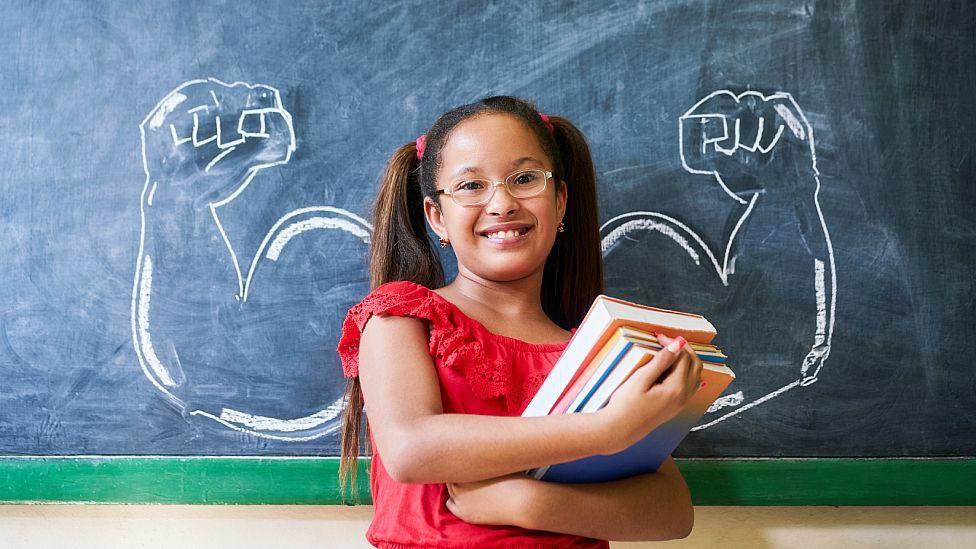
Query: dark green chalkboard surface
[185, 193]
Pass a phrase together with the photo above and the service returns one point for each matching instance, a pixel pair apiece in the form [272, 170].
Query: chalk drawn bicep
[202, 145]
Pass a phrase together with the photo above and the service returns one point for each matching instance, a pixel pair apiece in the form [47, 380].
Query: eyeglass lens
[521, 184]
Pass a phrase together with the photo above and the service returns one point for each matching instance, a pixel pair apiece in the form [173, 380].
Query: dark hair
[401, 249]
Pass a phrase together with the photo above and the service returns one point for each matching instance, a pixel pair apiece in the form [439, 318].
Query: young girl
[447, 370]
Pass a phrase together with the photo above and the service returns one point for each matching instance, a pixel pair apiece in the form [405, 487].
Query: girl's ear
[562, 195]
[435, 217]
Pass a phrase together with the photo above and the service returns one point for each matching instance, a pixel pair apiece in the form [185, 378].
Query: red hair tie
[422, 140]
[545, 120]
[421, 145]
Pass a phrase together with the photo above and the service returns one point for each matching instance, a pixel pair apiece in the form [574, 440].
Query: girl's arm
[419, 443]
[655, 506]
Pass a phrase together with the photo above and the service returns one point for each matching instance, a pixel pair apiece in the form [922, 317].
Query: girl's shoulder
[399, 298]
[397, 295]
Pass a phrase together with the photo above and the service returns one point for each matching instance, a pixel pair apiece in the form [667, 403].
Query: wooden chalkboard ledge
[264, 480]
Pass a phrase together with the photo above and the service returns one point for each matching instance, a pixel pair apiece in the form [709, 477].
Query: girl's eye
[525, 178]
[470, 186]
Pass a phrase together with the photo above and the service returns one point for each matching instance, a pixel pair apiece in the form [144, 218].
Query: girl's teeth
[503, 234]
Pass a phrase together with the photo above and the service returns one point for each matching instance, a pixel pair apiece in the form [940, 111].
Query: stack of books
[615, 338]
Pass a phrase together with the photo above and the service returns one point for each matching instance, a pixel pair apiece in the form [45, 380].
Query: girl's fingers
[685, 373]
[682, 369]
[678, 359]
[694, 377]
[654, 370]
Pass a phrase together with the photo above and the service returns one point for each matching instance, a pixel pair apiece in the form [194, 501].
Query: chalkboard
[185, 198]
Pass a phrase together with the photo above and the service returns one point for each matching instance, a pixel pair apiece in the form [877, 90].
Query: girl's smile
[507, 236]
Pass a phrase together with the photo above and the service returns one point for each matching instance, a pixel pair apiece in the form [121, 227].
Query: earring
[444, 242]
[561, 227]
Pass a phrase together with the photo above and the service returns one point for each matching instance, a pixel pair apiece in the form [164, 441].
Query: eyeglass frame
[494, 186]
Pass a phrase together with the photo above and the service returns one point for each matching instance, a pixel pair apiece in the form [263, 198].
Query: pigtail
[573, 275]
[399, 250]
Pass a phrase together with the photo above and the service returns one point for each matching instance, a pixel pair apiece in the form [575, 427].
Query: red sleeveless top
[480, 372]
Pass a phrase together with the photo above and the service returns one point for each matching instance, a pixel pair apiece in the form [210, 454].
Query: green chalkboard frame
[265, 480]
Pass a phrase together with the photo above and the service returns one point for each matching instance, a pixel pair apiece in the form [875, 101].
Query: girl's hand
[493, 501]
[654, 393]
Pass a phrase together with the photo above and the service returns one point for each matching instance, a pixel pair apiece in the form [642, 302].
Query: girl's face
[493, 146]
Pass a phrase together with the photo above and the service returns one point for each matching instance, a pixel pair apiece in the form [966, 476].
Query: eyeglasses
[475, 192]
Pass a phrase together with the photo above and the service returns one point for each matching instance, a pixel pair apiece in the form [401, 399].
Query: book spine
[588, 369]
[595, 383]
[563, 374]
[602, 393]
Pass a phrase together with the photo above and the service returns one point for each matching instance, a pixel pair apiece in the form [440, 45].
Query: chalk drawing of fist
[775, 259]
[733, 138]
[202, 343]
[229, 133]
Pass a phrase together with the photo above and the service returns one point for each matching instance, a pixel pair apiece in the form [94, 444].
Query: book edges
[602, 319]
[615, 326]
[680, 320]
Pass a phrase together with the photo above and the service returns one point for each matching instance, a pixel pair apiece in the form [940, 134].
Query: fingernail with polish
[676, 344]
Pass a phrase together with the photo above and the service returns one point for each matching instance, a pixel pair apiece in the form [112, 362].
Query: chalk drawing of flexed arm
[768, 259]
[203, 145]
[756, 145]
[731, 137]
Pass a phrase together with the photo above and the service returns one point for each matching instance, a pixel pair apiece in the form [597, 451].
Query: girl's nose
[502, 202]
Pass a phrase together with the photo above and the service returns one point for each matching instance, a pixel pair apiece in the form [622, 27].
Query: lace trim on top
[453, 339]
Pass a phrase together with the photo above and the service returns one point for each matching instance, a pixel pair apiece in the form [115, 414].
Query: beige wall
[266, 527]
